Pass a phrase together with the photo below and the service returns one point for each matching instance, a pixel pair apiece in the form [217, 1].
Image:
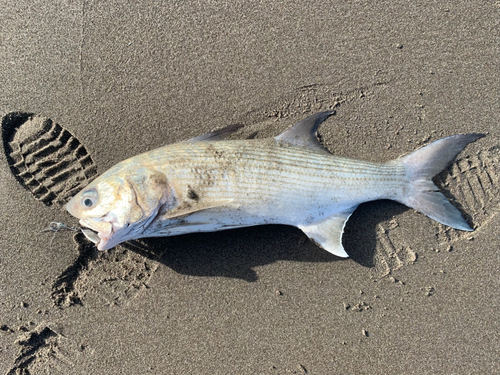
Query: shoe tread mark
[45, 158]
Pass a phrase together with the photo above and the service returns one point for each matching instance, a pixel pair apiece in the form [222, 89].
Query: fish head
[120, 204]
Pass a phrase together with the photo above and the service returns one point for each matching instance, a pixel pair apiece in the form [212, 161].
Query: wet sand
[87, 84]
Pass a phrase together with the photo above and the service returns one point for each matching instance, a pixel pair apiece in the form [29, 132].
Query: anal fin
[327, 233]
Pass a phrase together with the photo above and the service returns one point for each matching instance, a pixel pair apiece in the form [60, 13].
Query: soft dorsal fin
[303, 133]
[328, 232]
[217, 135]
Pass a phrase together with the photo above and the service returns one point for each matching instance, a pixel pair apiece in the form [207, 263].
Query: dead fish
[210, 184]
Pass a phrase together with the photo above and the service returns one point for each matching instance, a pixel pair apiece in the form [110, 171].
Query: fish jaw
[105, 231]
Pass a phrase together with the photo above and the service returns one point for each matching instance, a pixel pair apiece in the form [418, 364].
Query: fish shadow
[235, 253]
[232, 253]
[360, 233]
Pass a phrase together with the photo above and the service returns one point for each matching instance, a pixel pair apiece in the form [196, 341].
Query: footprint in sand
[45, 158]
[41, 349]
[53, 165]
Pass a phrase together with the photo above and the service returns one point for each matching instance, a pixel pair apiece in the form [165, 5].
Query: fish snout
[72, 208]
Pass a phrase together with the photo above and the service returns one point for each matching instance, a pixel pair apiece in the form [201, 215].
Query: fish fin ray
[303, 133]
[421, 166]
[188, 209]
[217, 135]
[327, 233]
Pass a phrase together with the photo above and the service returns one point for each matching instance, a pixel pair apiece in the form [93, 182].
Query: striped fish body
[253, 182]
[209, 184]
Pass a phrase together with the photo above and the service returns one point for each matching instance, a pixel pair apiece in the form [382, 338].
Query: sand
[103, 81]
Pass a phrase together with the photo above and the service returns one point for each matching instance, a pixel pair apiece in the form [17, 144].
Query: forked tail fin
[423, 164]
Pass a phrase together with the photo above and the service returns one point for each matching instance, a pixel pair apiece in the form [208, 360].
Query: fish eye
[90, 198]
[88, 202]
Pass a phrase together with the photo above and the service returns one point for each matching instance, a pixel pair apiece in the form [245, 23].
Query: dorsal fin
[303, 133]
[217, 135]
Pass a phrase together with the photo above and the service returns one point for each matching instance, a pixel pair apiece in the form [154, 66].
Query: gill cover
[147, 191]
[150, 189]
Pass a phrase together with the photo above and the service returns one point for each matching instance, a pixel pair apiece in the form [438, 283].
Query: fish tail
[421, 166]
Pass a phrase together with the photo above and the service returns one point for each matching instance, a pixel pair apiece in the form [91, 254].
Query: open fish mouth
[91, 235]
[99, 232]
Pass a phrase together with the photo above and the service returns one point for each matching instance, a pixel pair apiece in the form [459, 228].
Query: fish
[210, 183]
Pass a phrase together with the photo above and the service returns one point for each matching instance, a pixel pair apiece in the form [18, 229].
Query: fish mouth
[91, 235]
[99, 232]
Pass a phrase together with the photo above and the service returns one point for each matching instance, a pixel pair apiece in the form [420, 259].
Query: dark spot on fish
[192, 194]
[211, 150]
[159, 179]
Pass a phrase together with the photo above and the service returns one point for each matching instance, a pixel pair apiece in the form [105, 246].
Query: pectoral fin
[328, 232]
[190, 208]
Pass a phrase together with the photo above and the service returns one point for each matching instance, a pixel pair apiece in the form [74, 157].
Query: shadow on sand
[234, 253]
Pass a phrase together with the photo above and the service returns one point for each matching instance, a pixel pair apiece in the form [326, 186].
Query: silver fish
[210, 184]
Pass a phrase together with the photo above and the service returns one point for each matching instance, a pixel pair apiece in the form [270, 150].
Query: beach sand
[86, 84]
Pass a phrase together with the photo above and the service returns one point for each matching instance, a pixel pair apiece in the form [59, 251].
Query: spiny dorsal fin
[303, 133]
[217, 135]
